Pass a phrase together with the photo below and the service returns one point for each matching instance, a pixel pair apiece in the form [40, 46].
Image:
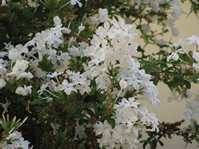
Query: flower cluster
[83, 86]
[129, 116]
[21, 58]
[111, 48]
[15, 141]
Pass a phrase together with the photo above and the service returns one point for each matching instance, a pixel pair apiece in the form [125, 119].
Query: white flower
[15, 53]
[27, 75]
[125, 111]
[32, 3]
[24, 91]
[121, 136]
[148, 118]
[76, 2]
[93, 21]
[138, 79]
[15, 141]
[4, 2]
[123, 84]
[127, 103]
[155, 5]
[74, 51]
[81, 28]
[57, 21]
[105, 130]
[173, 56]
[151, 92]
[2, 83]
[125, 133]
[54, 74]
[103, 15]
[113, 44]
[80, 82]
[196, 66]
[67, 87]
[45, 43]
[19, 69]
[193, 40]
[195, 55]
[20, 66]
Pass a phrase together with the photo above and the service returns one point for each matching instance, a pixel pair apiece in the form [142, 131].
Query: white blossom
[193, 40]
[80, 82]
[75, 51]
[125, 133]
[195, 55]
[113, 45]
[24, 91]
[67, 87]
[103, 15]
[81, 28]
[121, 136]
[123, 84]
[32, 3]
[54, 74]
[148, 118]
[76, 2]
[46, 42]
[196, 66]
[15, 141]
[4, 2]
[19, 70]
[125, 111]
[173, 56]
[2, 83]
[15, 53]
[57, 21]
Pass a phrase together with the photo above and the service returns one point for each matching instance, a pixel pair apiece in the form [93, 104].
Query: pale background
[173, 111]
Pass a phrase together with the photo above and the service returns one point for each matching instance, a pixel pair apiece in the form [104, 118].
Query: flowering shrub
[77, 71]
